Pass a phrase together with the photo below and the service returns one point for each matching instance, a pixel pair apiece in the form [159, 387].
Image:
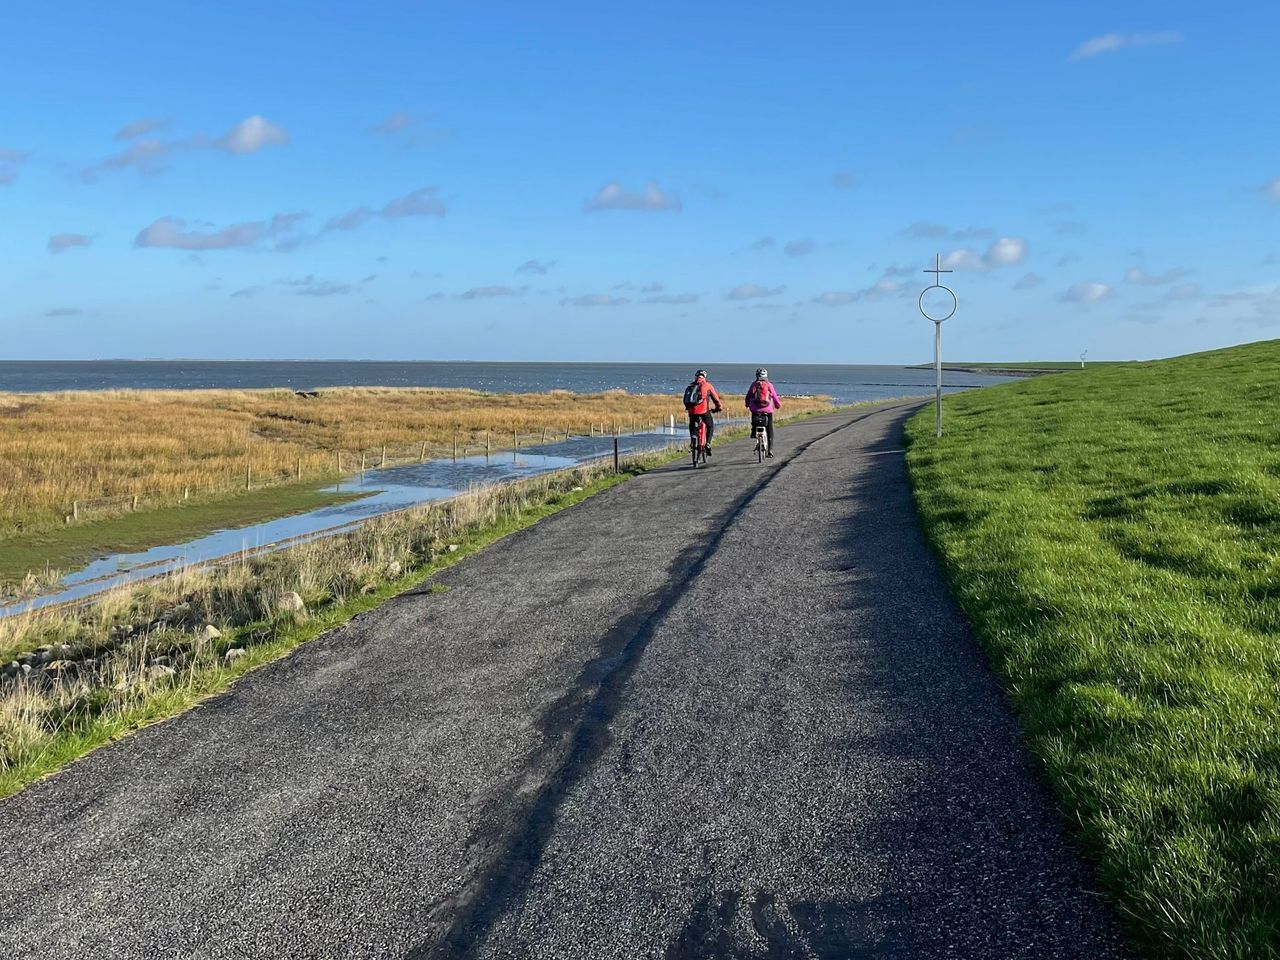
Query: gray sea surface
[845, 383]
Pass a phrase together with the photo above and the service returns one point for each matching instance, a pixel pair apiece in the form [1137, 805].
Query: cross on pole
[937, 270]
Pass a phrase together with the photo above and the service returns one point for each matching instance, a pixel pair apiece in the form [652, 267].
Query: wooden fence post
[384, 456]
[75, 509]
[455, 446]
[299, 469]
[248, 476]
[422, 454]
[486, 444]
[362, 462]
[615, 454]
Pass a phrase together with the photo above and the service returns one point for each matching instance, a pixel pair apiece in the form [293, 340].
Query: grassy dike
[1114, 537]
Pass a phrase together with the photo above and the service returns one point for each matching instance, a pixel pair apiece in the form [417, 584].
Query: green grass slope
[1114, 537]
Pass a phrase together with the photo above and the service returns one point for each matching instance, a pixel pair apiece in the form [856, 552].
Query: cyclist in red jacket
[701, 400]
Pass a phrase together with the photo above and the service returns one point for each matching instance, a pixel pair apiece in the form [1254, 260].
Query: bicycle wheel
[759, 451]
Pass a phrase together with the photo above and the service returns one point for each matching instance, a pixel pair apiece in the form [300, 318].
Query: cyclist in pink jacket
[762, 401]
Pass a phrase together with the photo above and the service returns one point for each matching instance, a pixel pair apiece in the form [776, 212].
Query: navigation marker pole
[937, 272]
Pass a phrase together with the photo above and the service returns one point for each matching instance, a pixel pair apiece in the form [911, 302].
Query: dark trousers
[765, 420]
[708, 419]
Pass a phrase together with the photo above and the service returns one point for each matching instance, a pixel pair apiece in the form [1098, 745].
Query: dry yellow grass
[61, 447]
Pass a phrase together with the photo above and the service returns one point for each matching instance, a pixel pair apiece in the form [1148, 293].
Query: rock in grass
[159, 671]
[234, 654]
[369, 588]
[291, 602]
[211, 632]
[57, 669]
[453, 548]
[394, 570]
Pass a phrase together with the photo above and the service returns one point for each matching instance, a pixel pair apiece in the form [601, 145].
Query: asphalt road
[726, 713]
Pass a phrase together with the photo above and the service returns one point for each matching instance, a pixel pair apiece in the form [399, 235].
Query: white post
[937, 371]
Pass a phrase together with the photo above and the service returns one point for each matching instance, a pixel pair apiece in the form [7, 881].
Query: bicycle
[698, 442]
[759, 429]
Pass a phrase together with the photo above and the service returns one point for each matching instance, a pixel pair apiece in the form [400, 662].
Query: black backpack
[693, 395]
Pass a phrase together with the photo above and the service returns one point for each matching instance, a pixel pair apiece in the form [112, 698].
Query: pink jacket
[770, 398]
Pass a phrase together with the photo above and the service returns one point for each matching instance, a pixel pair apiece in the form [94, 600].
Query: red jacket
[710, 399]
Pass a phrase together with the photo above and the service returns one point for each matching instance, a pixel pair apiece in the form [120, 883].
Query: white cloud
[251, 135]
[672, 298]
[138, 127]
[924, 230]
[963, 259]
[484, 293]
[64, 312]
[540, 267]
[351, 220]
[1028, 280]
[1141, 277]
[613, 196]
[1111, 42]
[171, 232]
[1271, 189]
[1005, 252]
[148, 155]
[10, 161]
[753, 291]
[395, 123]
[652, 288]
[882, 288]
[408, 129]
[420, 203]
[798, 248]
[312, 286]
[844, 179]
[285, 222]
[65, 241]
[1086, 293]
[594, 300]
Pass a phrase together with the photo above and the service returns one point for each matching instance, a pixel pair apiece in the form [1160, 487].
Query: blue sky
[706, 181]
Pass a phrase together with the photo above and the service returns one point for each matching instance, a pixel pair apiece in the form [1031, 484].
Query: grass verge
[1114, 537]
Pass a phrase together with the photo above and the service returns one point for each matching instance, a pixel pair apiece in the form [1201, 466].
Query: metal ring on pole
[955, 302]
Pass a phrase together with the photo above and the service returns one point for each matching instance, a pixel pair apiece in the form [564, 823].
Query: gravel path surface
[718, 713]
